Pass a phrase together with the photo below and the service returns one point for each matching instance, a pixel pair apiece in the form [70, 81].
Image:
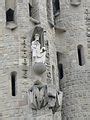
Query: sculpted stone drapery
[38, 54]
[38, 96]
[43, 95]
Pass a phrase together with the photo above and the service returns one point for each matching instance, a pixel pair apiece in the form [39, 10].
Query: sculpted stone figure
[54, 99]
[38, 96]
[42, 96]
[38, 54]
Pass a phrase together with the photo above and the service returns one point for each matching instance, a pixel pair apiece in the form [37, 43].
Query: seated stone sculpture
[38, 54]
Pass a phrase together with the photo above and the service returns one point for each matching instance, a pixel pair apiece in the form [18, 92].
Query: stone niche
[75, 2]
[38, 30]
[38, 51]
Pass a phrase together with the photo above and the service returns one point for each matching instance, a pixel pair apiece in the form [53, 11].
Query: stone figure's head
[37, 37]
[52, 92]
[51, 100]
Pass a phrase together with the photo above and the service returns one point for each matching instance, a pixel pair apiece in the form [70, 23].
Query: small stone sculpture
[38, 96]
[54, 99]
[42, 96]
[38, 54]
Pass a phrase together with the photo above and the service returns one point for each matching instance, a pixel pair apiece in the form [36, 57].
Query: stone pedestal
[43, 115]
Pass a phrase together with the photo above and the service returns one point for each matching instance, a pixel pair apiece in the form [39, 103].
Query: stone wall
[12, 51]
[74, 84]
[76, 94]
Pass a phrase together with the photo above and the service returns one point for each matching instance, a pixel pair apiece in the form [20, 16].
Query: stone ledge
[61, 29]
[75, 4]
[59, 25]
[11, 25]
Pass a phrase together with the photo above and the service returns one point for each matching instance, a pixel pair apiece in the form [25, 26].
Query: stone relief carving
[54, 99]
[38, 96]
[42, 95]
[38, 54]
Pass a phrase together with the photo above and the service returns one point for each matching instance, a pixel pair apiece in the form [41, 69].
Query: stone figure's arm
[33, 47]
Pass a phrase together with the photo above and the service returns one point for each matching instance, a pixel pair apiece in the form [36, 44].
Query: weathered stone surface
[15, 55]
[39, 68]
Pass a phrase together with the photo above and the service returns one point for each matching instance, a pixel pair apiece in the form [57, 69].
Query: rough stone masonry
[59, 87]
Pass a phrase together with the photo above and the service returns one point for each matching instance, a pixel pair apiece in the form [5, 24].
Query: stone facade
[61, 33]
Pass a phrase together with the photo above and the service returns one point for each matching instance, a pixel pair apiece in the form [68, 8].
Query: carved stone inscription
[24, 59]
